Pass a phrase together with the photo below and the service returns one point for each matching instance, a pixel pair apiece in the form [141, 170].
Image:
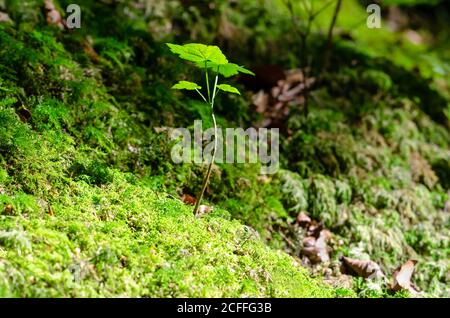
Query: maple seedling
[211, 60]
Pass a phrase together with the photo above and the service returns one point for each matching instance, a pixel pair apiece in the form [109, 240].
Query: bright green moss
[126, 240]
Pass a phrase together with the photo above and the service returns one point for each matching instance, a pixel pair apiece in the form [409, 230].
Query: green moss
[126, 240]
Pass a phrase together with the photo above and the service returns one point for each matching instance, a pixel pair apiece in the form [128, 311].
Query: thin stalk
[203, 97]
[214, 91]
[326, 60]
[208, 172]
[207, 84]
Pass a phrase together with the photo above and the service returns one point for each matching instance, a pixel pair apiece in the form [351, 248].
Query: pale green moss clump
[125, 240]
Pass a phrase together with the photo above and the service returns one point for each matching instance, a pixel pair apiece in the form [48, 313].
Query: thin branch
[207, 83]
[208, 172]
[214, 90]
[203, 97]
[326, 60]
[323, 8]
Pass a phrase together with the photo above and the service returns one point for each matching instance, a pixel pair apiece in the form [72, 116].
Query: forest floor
[91, 204]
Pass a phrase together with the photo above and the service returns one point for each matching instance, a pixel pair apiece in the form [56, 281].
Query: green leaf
[199, 53]
[228, 88]
[227, 70]
[186, 85]
[245, 71]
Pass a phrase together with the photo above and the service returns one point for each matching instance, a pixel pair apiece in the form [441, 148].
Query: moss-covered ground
[89, 198]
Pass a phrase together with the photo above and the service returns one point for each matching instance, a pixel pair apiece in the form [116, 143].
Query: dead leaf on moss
[53, 16]
[24, 114]
[316, 248]
[402, 277]
[50, 210]
[361, 268]
[8, 209]
[188, 199]
[303, 219]
[203, 209]
[314, 229]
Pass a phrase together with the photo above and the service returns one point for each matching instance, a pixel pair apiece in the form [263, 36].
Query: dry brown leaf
[261, 101]
[50, 211]
[4, 17]
[188, 199]
[315, 229]
[24, 114]
[291, 93]
[303, 219]
[294, 76]
[203, 209]
[53, 15]
[362, 268]
[316, 249]
[8, 209]
[402, 277]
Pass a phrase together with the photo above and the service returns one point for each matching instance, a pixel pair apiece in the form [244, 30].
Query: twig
[327, 55]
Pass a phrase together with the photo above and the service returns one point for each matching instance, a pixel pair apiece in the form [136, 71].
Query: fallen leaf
[294, 76]
[303, 220]
[315, 229]
[402, 277]
[50, 211]
[4, 17]
[203, 209]
[8, 209]
[291, 93]
[316, 249]
[361, 268]
[188, 199]
[49, 5]
[53, 16]
[261, 101]
[24, 114]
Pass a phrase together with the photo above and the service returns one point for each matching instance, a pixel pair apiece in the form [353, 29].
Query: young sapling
[210, 59]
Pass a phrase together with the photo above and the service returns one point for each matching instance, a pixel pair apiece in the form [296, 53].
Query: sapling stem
[208, 172]
[203, 97]
[207, 84]
[202, 55]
